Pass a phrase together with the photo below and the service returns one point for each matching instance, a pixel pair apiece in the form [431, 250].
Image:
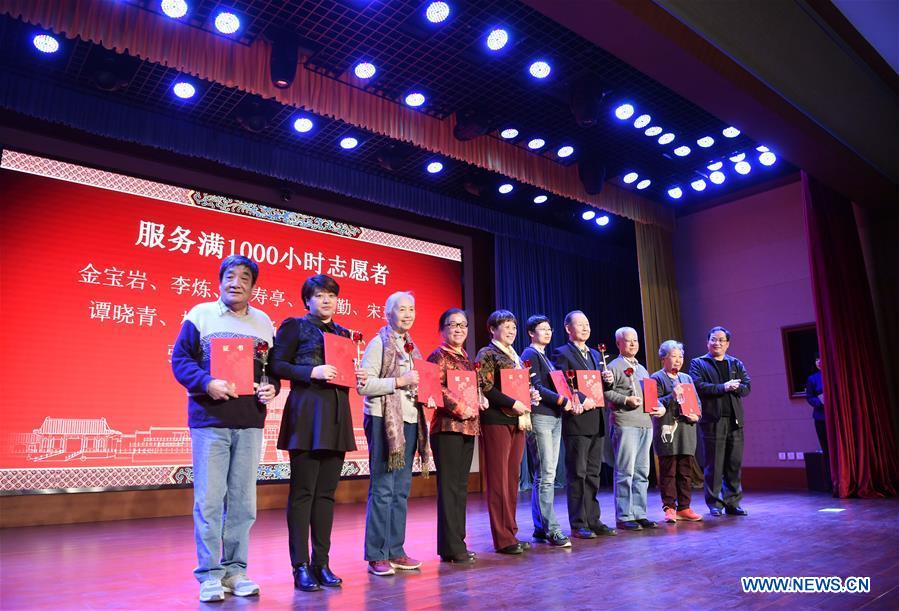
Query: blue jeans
[388, 492]
[225, 463]
[543, 452]
[631, 447]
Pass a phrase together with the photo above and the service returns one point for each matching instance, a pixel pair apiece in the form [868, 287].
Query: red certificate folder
[589, 382]
[689, 401]
[650, 394]
[231, 359]
[340, 352]
[464, 384]
[428, 382]
[561, 384]
[516, 383]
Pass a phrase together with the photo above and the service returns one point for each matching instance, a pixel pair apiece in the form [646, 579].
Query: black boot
[304, 580]
[325, 577]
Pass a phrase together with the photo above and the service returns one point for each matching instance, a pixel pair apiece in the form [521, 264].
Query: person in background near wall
[674, 437]
[395, 427]
[814, 394]
[722, 382]
[453, 430]
[225, 430]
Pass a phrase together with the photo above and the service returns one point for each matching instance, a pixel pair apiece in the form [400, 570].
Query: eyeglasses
[718, 340]
[550, 329]
[456, 325]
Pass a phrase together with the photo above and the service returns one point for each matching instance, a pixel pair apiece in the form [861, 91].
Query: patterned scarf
[393, 408]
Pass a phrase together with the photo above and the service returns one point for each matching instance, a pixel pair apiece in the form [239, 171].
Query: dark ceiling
[450, 64]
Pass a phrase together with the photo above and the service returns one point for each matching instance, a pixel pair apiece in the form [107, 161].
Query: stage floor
[146, 564]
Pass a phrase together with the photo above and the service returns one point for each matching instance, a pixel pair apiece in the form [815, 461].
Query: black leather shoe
[325, 577]
[525, 546]
[463, 558]
[736, 511]
[583, 533]
[716, 511]
[603, 530]
[539, 536]
[647, 523]
[471, 554]
[304, 580]
[629, 525]
[515, 548]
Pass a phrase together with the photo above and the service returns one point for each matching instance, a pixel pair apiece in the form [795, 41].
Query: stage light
[675, 193]
[285, 53]
[624, 112]
[585, 100]
[364, 70]
[435, 167]
[437, 12]
[643, 184]
[591, 170]
[737, 157]
[682, 151]
[767, 158]
[642, 121]
[730, 132]
[536, 144]
[394, 156]
[666, 138]
[655, 130]
[506, 188]
[509, 133]
[175, 9]
[602, 221]
[184, 90]
[705, 142]
[588, 215]
[540, 199]
[348, 143]
[630, 177]
[717, 177]
[539, 69]
[698, 185]
[715, 166]
[303, 125]
[474, 122]
[762, 148]
[255, 114]
[45, 43]
[497, 38]
[743, 167]
[415, 99]
[565, 151]
[227, 23]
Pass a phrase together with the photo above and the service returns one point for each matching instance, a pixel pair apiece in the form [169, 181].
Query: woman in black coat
[316, 428]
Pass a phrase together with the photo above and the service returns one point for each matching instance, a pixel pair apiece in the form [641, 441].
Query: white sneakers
[213, 590]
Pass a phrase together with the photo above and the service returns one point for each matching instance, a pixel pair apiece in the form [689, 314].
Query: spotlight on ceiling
[737, 157]
[509, 133]
[474, 122]
[675, 193]
[349, 142]
[506, 188]
[535, 144]
[539, 69]
[698, 185]
[437, 12]
[624, 112]
[655, 130]
[414, 99]
[742, 167]
[110, 71]
[705, 142]
[715, 166]
[730, 132]
[643, 184]
[642, 121]
[184, 90]
[45, 43]
[767, 158]
[285, 52]
[565, 151]
[682, 151]
[497, 39]
[303, 125]
[717, 177]
[630, 177]
[364, 70]
[540, 199]
[585, 100]
[394, 156]
[227, 23]
[176, 9]
[603, 220]
[434, 167]
[588, 215]
[592, 172]
[666, 138]
[255, 114]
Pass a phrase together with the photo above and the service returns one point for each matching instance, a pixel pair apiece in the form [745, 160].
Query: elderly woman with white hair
[674, 436]
[394, 427]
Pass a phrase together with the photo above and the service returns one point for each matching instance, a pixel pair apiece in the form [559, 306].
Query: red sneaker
[670, 515]
[689, 515]
[405, 563]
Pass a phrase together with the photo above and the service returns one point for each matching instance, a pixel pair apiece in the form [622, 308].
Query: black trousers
[821, 431]
[676, 480]
[314, 475]
[583, 461]
[722, 447]
[453, 453]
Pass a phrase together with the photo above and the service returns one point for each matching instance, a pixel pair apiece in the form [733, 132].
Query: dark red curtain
[863, 453]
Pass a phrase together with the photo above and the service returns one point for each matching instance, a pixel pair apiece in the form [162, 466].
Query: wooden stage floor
[146, 564]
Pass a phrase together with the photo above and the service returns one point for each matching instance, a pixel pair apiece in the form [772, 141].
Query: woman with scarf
[395, 427]
[503, 426]
[316, 429]
[453, 430]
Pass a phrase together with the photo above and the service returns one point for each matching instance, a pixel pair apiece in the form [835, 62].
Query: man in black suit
[722, 382]
[583, 431]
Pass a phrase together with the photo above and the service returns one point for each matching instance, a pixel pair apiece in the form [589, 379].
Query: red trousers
[502, 446]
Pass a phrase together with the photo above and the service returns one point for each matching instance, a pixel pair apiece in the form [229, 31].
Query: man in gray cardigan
[631, 433]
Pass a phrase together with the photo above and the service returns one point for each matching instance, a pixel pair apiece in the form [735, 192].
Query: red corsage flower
[629, 371]
[409, 347]
[357, 336]
[602, 347]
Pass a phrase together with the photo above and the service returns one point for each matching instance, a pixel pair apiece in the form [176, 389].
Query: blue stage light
[588, 215]
[497, 38]
[174, 8]
[630, 177]
[227, 23]
[698, 185]
[437, 12]
[506, 188]
[536, 144]
[767, 158]
[682, 151]
[415, 99]
[655, 130]
[364, 70]
[715, 166]
[45, 43]
[565, 151]
[602, 221]
[717, 177]
[737, 157]
[743, 167]
[540, 69]
[730, 132]
[624, 112]
[349, 142]
[303, 124]
[509, 133]
[675, 192]
[666, 138]
[540, 199]
[184, 90]
[642, 121]
[705, 142]
[643, 184]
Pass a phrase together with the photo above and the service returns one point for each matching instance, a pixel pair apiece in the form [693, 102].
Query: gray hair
[390, 304]
[619, 334]
[669, 345]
